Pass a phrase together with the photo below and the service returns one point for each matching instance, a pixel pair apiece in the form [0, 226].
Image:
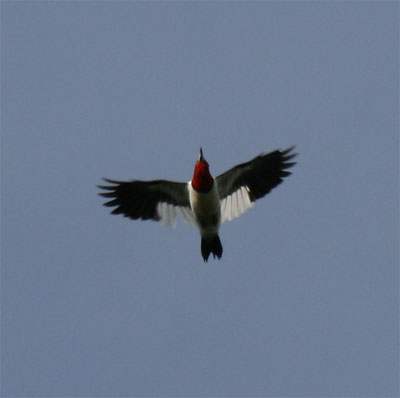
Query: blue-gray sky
[304, 301]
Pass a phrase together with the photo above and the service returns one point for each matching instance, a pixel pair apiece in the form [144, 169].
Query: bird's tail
[211, 244]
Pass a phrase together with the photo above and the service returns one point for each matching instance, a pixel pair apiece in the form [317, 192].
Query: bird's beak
[201, 154]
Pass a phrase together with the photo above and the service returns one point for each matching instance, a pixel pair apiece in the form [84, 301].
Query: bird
[205, 201]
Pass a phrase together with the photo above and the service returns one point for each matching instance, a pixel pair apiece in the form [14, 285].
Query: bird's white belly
[207, 209]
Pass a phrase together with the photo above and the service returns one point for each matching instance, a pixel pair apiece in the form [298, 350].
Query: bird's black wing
[157, 200]
[243, 184]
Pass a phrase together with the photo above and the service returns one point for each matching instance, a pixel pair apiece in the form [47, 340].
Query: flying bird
[204, 202]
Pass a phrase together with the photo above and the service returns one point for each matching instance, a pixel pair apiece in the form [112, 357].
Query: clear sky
[304, 301]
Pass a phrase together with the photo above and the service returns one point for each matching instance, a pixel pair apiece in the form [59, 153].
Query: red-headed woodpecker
[205, 201]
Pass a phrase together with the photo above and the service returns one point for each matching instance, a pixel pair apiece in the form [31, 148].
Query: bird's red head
[202, 180]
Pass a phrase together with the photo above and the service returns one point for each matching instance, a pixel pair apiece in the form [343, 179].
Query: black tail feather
[211, 245]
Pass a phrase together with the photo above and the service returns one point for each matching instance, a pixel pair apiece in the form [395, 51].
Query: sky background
[304, 301]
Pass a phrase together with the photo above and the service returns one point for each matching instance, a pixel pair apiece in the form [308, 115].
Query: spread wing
[157, 200]
[243, 184]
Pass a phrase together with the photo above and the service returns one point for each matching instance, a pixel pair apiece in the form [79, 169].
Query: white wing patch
[235, 204]
[168, 212]
[187, 215]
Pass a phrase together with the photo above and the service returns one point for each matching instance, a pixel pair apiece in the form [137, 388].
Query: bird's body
[205, 202]
[206, 208]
